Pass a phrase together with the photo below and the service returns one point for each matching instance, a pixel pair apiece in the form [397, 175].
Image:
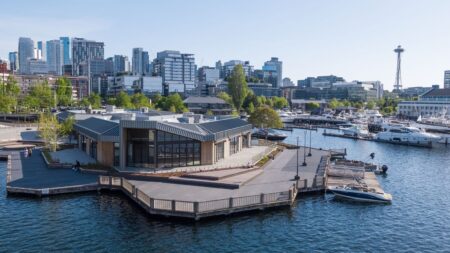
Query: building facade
[273, 72]
[36, 66]
[26, 51]
[229, 66]
[435, 102]
[65, 48]
[84, 51]
[176, 69]
[156, 144]
[13, 61]
[203, 105]
[54, 57]
[140, 62]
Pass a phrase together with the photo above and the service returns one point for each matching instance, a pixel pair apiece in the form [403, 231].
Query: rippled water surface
[417, 221]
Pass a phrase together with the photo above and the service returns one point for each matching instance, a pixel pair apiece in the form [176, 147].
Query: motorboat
[408, 135]
[268, 134]
[287, 117]
[360, 193]
[355, 130]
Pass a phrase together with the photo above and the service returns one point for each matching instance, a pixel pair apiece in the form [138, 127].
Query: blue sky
[350, 38]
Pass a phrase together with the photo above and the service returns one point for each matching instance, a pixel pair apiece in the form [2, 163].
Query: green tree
[280, 102]
[95, 100]
[123, 100]
[225, 97]
[66, 127]
[371, 105]
[266, 117]
[40, 97]
[250, 108]
[63, 91]
[49, 129]
[176, 101]
[334, 103]
[237, 87]
[140, 100]
[7, 103]
[312, 106]
[209, 112]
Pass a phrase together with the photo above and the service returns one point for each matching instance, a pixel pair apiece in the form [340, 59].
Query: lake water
[417, 221]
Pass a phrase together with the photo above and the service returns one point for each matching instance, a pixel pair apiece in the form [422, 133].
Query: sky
[349, 38]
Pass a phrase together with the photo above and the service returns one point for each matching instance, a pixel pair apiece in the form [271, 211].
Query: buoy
[384, 169]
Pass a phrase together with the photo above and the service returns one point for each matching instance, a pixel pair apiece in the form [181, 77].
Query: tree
[334, 103]
[49, 129]
[237, 86]
[280, 102]
[225, 97]
[7, 103]
[312, 106]
[250, 108]
[176, 101]
[40, 97]
[63, 91]
[140, 100]
[264, 116]
[371, 105]
[123, 100]
[209, 113]
[95, 100]
[67, 126]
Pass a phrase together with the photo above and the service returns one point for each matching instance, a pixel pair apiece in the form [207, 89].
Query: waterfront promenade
[31, 175]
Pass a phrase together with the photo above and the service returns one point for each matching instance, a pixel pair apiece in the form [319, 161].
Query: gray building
[208, 74]
[140, 61]
[13, 61]
[447, 79]
[26, 51]
[119, 63]
[36, 66]
[229, 66]
[435, 103]
[65, 48]
[319, 82]
[176, 69]
[54, 57]
[83, 51]
[273, 72]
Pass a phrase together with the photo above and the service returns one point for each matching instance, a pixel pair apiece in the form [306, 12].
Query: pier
[194, 195]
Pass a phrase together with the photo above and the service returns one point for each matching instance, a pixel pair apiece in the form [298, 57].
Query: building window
[219, 151]
[83, 142]
[93, 150]
[234, 145]
[159, 149]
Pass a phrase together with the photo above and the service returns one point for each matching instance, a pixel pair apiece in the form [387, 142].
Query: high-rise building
[13, 58]
[446, 79]
[119, 64]
[229, 66]
[140, 61]
[273, 72]
[177, 70]
[36, 66]
[208, 74]
[65, 44]
[54, 57]
[26, 51]
[127, 64]
[41, 52]
[219, 66]
[84, 51]
[109, 66]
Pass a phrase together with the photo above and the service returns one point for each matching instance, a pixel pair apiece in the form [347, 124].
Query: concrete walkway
[277, 176]
[71, 156]
[32, 172]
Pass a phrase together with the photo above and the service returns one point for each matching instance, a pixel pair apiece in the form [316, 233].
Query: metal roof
[204, 100]
[96, 128]
[438, 92]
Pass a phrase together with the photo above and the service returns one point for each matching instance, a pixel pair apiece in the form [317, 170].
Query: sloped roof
[437, 92]
[204, 100]
[95, 128]
[223, 125]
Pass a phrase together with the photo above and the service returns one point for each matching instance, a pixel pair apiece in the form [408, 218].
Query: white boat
[360, 193]
[287, 117]
[355, 130]
[401, 134]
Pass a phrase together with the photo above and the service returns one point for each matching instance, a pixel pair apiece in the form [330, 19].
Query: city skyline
[350, 39]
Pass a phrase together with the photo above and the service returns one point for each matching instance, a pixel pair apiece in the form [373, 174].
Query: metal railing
[195, 207]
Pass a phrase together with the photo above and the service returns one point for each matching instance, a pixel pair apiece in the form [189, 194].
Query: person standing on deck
[25, 153]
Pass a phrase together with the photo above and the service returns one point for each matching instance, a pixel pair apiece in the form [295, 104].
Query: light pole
[310, 133]
[304, 152]
[298, 147]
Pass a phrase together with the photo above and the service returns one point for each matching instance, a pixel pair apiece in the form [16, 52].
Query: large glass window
[234, 145]
[158, 149]
[93, 150]
[141, 148]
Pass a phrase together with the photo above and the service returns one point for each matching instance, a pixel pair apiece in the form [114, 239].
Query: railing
[193, 207]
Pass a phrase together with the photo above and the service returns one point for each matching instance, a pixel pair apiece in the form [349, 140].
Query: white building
[176, 69]
[435, 102]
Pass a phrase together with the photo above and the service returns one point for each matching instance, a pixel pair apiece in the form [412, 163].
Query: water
[418, 219]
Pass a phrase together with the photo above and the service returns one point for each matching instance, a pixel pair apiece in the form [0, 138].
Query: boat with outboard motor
[360, 193]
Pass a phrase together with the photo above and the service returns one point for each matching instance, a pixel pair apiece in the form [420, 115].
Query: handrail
[196, 207]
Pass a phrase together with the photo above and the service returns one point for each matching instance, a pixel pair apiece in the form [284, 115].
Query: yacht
[268, 134]
[287, 117]
[355, 130]
[401, 134]
[360, 193]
